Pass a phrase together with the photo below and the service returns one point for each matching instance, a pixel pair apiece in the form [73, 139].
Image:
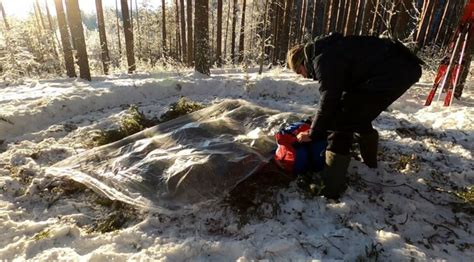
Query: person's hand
[303, 137]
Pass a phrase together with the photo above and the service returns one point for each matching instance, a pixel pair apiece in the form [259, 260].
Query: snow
[405, 209]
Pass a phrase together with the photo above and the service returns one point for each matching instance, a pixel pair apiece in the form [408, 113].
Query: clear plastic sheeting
[185, 161]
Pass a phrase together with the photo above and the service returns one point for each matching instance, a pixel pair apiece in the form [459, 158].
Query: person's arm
[332, 74]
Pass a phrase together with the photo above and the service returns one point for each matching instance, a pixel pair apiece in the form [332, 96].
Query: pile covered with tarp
[174, 165]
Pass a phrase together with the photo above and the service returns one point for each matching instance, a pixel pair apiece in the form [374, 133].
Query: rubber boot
[334, 174]
[368, 143]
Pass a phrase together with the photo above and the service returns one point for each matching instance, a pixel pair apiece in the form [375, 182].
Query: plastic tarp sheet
[182, 162]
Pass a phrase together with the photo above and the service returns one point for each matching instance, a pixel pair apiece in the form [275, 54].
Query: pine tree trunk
[219, 34]
[351, 18]
[178, 36]
[429, 29]
[277, 28]
[375, 19]
[131, 13]
[341, 14]
[401, 29]
[315, 18]
[127, 29]
[51, 28]
[369, 10]
[424, 23]
[447, 6]
[74, 14]
[304, 11]
[359, 16]
[189, 16]
[201, 36]
[43, 26]
[163, 29]
[285, 33]
[242, 33]
[334, 12]
[139, 32]
[234, 34]
[226, 29]
[184, 44]
[102, 36]
[5, 20]
[118, 29]
[64, 32]
[327, 16]
[263, 37]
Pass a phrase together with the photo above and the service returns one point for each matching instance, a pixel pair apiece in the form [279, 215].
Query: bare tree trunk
[189, 14]
[43, 26]
[369, 13]
[131, 14]
[262, 38]
[226, 29]
[74, 13]
[178, 36]
[327, 16]
[118, 29]
[424, 23]
[359, 16]
[183, 31]
[201, 36]
[351, 18]
[304, 12]
[375, 19]
[443, 19]
[242, 33]
[219, 34]
[429, 27]
[139, 32]
[163, 28]
[314, 26]
[102, 36]
[7, 26]
[341, 16]
[234, 25]
[284, 39]
[334, 11]
[53, 32]
[127, 29]
[64, 32]
[278, 6]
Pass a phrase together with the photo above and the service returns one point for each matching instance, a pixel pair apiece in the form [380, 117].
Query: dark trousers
[366, 101]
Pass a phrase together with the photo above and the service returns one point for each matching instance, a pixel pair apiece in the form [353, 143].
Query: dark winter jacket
[343, 65]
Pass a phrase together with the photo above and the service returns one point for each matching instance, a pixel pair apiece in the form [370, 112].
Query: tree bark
[74, 14]
[314, 27]
[178, 35]
[189, 14]
[184, 44]
[424, 23]
[66, 43]
[43, 26]
[443, 19]
[334, 11]
[234, 25]
[369, 12]
[242, 33]
[102, 37]
[304, 11]
[226, 29]
[327, 16]
[201, 36]
[118, 29]
[262, 38]
[5, 20]
[127, 29]
[51, 28]
[351, 18]
[284, 38]
[139, 32]
[163, 29]
[219, 34]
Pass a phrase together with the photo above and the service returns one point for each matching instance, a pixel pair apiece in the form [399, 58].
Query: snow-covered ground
[406, 209]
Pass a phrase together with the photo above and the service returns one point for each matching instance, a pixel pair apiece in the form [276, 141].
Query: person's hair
[295, 57]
